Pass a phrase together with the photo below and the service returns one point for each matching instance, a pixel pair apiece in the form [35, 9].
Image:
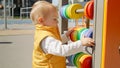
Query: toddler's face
[52, 19]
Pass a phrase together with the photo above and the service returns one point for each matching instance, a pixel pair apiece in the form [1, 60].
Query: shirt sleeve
[65, 39]
[52, 46]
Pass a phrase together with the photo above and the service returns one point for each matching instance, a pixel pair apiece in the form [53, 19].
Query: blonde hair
[40, 9]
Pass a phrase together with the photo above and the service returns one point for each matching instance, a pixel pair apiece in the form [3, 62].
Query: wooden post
[64, 25]
[87, 22]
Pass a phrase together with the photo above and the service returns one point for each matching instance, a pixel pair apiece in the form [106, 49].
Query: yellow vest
[41, 59]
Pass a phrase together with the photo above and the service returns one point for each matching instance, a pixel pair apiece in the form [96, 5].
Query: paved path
[16, 50]
[17, 29]
[16, 32]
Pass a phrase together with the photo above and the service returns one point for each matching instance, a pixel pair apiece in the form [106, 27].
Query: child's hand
[87, 41]
[69, 31]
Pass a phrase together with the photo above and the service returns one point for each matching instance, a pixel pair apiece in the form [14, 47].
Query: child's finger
[92, 43]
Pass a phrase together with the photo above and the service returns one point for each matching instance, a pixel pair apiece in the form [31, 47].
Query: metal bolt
[119, 49]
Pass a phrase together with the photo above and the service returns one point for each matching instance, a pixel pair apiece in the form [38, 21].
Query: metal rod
[23, 3]
[12, 9]
[5, 17]
[80, 10]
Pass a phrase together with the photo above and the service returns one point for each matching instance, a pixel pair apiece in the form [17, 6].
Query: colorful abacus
[69, 11]
[81, 60]
[76, 11]
[79, 32]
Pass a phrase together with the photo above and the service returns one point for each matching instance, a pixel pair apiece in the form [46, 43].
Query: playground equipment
[76, 11]
[79, 32]
[81, 60]
[106, 23]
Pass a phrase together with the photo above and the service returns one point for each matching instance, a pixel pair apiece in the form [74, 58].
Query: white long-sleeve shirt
[53, 46]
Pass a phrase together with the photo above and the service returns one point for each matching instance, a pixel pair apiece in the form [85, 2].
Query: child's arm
[65, 36]
[65, 39]
[55, 47]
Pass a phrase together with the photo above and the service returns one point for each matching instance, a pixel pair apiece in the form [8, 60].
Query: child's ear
[41, 19]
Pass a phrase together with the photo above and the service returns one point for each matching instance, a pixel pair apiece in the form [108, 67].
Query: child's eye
[56, 19]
